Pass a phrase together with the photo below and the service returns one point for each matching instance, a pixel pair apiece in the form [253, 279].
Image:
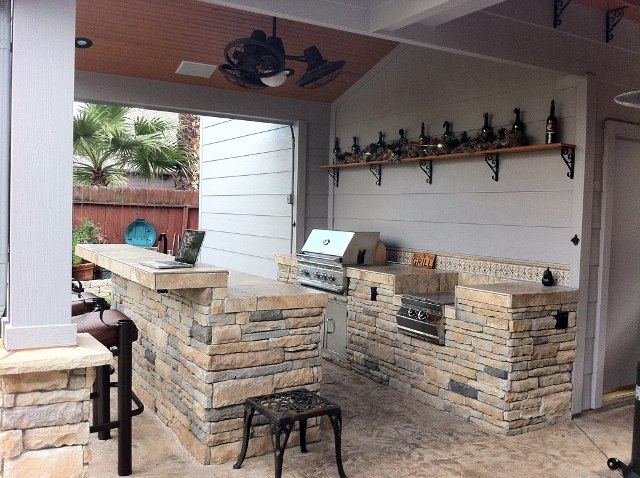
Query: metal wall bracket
[335, 174]
[569, 158]
[376, 170]
[493, 161]
[427, 167]
[558, 8]
[613, 18]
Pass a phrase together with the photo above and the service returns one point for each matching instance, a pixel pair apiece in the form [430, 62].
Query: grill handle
[331, 321]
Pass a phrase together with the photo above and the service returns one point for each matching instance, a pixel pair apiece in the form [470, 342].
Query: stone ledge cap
[87, 353]
[518, 294]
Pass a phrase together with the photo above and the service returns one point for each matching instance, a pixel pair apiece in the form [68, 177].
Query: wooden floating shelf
[491, 156]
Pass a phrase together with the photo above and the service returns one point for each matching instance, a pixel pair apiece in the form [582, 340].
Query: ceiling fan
[258, 62]
[630, 98]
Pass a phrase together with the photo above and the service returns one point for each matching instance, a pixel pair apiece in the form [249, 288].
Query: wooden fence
[167, 211]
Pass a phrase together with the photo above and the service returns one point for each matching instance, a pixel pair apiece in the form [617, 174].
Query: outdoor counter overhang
[210, 338]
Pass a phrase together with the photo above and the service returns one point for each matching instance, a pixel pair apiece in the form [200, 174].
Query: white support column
[41, 175]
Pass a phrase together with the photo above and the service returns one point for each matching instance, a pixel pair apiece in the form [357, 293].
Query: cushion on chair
[105, 334]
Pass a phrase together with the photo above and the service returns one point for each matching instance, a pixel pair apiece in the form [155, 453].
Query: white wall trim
[612, 131]
[300, 184]
[33, 336]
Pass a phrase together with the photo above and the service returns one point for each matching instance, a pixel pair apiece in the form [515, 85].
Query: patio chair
[116, 332]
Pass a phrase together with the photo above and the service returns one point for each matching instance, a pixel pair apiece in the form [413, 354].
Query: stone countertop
[517, 294]
[405, 278]
[124, 260]
[247, 292]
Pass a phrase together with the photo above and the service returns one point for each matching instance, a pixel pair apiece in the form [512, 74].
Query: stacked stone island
[506, 363]
[202, 352]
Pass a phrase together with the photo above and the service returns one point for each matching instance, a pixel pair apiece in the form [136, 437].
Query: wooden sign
[423, 259]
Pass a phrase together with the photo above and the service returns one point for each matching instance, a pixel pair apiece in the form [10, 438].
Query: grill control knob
[305, 272]
[412, 312]
[332, 278]
[316, 275]
[422, 315]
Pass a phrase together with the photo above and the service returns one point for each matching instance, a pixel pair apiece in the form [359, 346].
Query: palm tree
[108, 144]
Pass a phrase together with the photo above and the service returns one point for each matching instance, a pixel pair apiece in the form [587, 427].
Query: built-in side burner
[422, 315]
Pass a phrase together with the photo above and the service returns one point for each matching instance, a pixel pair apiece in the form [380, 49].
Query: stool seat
[282, 410]
[82, 302]
[107, 334]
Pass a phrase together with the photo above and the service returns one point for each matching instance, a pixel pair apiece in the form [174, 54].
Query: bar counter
[210, 338]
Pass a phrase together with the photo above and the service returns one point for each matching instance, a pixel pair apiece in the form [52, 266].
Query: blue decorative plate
[140, 233]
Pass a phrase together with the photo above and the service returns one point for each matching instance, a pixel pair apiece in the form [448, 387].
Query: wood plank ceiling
[149, 38]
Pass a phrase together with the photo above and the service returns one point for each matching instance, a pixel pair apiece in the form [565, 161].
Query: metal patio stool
[282, 410]
[116, 332]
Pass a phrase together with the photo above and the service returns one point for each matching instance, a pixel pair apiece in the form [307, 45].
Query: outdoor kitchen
[493, 351]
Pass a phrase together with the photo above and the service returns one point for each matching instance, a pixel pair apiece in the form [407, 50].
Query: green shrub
[87, 232]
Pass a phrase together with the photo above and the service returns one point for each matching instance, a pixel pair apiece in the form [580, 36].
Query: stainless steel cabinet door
[335, 327]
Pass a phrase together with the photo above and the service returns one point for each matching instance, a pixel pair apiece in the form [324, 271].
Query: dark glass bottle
[486, 131]
[551, 135]
[381, 143]
[517, 124]
[402, 139]
[355, 149]
[336, 147]
[447, 132]
[422, 139]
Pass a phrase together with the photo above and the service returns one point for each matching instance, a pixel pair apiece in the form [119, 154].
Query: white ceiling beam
[395, 14]
[349, 15]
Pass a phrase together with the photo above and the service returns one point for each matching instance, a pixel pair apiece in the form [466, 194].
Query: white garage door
[246, 190]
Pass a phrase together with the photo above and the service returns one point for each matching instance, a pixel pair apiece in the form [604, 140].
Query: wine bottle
[355, 149]
[381, 142]
[422, 139]
[552, 125]
[486, 131]
[402, 139]
[517, 124]
[336, 147]
[447, 133]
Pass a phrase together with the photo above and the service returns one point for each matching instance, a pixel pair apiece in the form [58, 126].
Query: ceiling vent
[191, 68]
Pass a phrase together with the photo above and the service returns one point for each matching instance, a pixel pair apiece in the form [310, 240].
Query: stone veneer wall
[45, 423]
[287, 269]
[200, 356]
[505, 368]
[100, 287]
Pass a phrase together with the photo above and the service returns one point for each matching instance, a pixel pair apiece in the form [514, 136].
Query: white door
[246, 194]
[622, 222]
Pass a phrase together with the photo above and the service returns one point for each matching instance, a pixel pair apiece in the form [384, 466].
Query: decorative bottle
[551, 135]
[547, 278]
[336, 147]
[487, 131]
[355, 149]
[422, 139]
[517, 124]
[381, 143]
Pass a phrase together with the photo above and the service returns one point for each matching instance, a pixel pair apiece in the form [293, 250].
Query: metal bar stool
[282, 410]
[116, 332]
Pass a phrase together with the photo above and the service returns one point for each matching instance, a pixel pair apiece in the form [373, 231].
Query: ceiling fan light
[630, 98]
[279, 79]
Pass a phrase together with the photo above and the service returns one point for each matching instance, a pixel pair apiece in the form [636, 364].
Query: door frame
[613, 130]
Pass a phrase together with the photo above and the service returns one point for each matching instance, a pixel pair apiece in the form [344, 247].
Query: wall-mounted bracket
[558, 8]
[493, 161]
[569, 158]
[376, 170]
[427, 167]
[335, 174]
[613, 18]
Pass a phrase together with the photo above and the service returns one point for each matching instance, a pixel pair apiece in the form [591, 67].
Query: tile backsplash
[502, 268]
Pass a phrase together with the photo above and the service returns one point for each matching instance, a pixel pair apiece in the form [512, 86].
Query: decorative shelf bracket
[558, 9]
[427, 167]
[376, 170]
[613, 18]
[335, 174]
[569, 158]
[493, 161]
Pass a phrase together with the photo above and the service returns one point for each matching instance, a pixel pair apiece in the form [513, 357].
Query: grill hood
[347, 247]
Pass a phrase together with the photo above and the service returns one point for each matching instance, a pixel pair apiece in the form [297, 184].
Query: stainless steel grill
[325, 254]
[422, 315]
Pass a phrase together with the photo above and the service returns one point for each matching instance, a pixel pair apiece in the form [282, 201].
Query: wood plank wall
[525, 216]
[167, 211]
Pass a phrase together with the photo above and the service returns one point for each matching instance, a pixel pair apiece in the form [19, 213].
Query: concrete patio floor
[389, 435]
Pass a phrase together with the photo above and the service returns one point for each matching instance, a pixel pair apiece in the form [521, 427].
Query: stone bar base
[202, 352]
[44, 397]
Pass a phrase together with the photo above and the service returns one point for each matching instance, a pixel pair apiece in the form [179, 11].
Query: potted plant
[86, 232]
